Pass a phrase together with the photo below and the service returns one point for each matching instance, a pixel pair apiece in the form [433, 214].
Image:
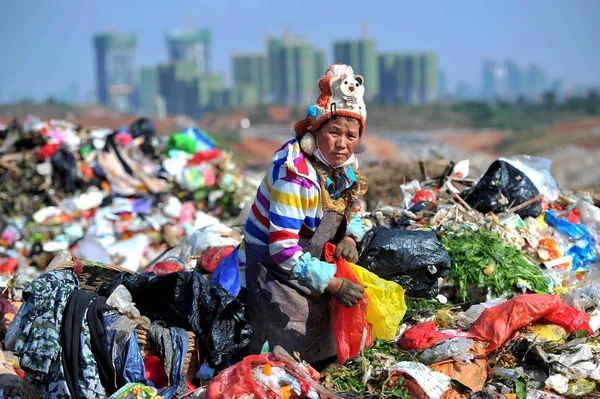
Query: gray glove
[347, 249]
[349, 293]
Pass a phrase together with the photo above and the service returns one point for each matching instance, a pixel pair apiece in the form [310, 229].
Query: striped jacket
[287, 209]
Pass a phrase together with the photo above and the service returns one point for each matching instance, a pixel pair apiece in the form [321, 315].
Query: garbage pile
[83, 208]
[474, 288]
[502, 292]
[119, 197]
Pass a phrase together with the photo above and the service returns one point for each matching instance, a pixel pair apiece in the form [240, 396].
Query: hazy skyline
[46, 47]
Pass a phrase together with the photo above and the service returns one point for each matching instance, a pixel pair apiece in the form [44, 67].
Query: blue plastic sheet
[571, 230]
[227, 274]
[129, 362]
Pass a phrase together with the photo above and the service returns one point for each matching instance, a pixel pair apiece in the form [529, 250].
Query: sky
[46, 46]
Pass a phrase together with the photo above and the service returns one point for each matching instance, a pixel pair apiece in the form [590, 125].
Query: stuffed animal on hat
[341, 93]
[352, 90]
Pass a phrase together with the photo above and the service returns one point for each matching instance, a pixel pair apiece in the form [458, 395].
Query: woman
[306, 200]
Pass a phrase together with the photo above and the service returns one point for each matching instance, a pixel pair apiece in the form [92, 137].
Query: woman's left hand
[347, 249]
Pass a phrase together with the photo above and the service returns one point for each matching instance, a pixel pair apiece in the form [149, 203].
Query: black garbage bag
[186, 300]
[64, 167]
[414, 259]
[503, 186]
[144, 127]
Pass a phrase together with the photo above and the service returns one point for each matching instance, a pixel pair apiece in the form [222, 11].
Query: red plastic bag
[425, 335]
[423, 195]
[570, 319]
[211, 258]
[349, 324]
[47, 151]
[238, 380]
[165, 267]
[496, 324]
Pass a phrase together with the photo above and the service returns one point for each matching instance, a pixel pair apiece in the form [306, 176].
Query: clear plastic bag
[465, 319]
[455, 348]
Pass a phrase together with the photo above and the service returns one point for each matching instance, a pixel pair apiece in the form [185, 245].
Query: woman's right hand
[345, 291]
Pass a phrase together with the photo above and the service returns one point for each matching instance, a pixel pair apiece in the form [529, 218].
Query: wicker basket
[192, 358]
[92, 275]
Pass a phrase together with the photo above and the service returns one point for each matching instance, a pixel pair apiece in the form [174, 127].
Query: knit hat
[341, 94]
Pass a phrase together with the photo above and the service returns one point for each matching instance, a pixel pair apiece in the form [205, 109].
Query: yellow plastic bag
[386, 306]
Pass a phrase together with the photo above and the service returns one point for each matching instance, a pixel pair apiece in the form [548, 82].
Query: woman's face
[338, 138]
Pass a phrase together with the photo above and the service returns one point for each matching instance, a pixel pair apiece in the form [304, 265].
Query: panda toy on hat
[341, 94]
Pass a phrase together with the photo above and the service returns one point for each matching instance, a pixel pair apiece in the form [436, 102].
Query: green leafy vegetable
[373, 363]
[481, 259]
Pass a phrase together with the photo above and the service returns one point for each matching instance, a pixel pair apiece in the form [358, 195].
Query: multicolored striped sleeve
[293, 203]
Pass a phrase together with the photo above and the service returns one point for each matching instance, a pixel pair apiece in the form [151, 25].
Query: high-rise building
[191, 45]
[252, 70]
[428, 86]
[293, 67]
[494, 81]
[321, 64]
[116, 70]
[536, 82]
[408, 78]
[202, 93]
[149, 90]
[362, 56]
[442, 84]
[464, 92]
[514, 76]
[176, 80]
[237, 96]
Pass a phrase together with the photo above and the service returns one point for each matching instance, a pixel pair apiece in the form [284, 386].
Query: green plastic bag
[386, 306]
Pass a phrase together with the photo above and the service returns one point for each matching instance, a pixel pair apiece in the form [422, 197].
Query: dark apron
[282, 311]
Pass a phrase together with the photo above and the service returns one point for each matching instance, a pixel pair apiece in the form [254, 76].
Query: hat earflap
[308, 143]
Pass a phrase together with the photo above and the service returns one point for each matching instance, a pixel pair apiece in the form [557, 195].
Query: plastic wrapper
[433, 383]
[351, 329]
[413, 259]
[455, 348]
